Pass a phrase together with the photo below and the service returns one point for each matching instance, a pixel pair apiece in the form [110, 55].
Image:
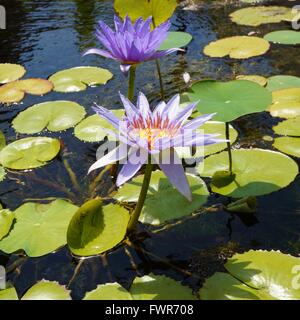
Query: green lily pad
[284, 37]
[15, 91]
[290, 127]
[10, 72]
[238, 47]
[286, 103]
[255, 275]
[2, 140]
[283, 82]
[2, 173]
[275, 171]
[29, 153]
[255, 16]
[288, 145]
[163, 202]
[230, 100]
[47, 290]
[158, 9]
[108, 291]
[255, 78]
[154, 287]
[53, 115]
[77, 79]
[39, 228]
[210, 127]
[9, 294]
[176, 40]
[95, 229]
[91, 128]
[6, 220]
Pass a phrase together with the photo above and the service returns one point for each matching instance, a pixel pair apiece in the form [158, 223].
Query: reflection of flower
[132, 43]
[154, 133]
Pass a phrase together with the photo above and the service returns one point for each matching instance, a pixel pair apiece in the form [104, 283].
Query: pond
[49, 36]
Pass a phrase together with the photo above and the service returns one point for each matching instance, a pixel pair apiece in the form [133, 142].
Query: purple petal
[125, 68]
[159, 108]
[172, 107]
[143, 105]
[131, 110]
[160, 54]
[197, 122]
[100, 52]
[175, 172]
[108, 116]
[184, 114]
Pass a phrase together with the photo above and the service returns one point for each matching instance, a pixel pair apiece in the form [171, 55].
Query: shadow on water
[46, 36]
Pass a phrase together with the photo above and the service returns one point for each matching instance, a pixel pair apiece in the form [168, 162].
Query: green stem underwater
[142, 197]
[229, 146]
[131, 82]
[162, 91]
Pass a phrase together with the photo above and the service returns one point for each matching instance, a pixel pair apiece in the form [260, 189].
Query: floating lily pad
[6, 220]
[108, 291]
[239, 47]
[159, 10]
[95, 229]
[283, 82]
[2, 173]
[2, 140]
[163, 202]
[92, 129]
[9, 294]
[284, 37]
[176, 40]
[230, 100]
[290, 127]
[15, 91]
[53, 115]
[275, 171]
[288, 145]
[255, 275]
[257, 79]
[77, 79]
[29, 153]
[210, 127]
[10, 72]
[286, 103]
[47, 290]
[255, 16]
[39, 228]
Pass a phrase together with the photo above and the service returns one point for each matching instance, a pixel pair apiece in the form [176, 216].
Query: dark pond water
[46, 36]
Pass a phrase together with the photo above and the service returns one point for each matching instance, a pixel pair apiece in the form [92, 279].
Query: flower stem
[142, 197]
[131, 82]
[229, 146]
[162, 91]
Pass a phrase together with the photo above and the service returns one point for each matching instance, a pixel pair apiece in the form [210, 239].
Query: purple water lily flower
[143, 132]
[132, 43]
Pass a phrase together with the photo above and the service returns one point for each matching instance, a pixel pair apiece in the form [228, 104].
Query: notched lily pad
[39, 228]
[15, 91]
[10, 72]
[238, 47]
[77, 79]
[284, 37]
[29, 153]
[108, 291]
[288, 145]
[290, 127]
[6, 221]
[52, 115]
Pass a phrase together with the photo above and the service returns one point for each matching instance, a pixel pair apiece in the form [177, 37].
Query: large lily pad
[163, 202]
[238, 47]
[15, 91]
[290, 127]
[108, 291]
[286, 103]
[10, 72]
[6, 220]
[275, 171]
[93, 128]
[288, 145]
[284, 37]
[29, 153]
[154, 287]
[255, 16]
[95, 229]
[47, 290]
[210, 127]
[9, 293]
[176, 40]
[160, 10]
[77, 79]
[283, 82]
[230, 100]
[39, 228]
[255, 275]
[53, 115]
